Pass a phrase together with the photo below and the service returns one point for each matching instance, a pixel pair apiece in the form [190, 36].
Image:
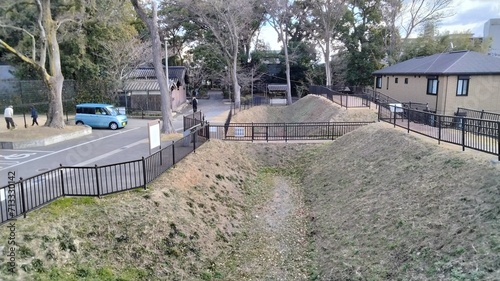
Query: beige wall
[139, 99]
[484, 92]
[414, 91]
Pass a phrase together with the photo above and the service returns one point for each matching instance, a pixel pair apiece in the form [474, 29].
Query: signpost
[154, 135]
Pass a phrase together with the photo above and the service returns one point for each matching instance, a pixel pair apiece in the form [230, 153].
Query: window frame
[432, 85]
[378, 82]
[463, 82]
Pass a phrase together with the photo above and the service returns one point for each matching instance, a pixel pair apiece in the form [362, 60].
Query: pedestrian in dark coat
[34, 116]
[195, 104]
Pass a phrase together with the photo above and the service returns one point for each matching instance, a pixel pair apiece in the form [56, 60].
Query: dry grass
[376, 204]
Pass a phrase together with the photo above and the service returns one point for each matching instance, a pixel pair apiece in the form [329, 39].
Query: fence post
[439, 128]
[173, 153]
[286, 134]
[267, 133]
[463, 133]
[253, 132]
[408, 117]
[62, 180]
[194, 141]
[379, 112]
[394, 114]
[23, 201]
[333, 130]
[144, 172]
[498, 140]
[97, 181]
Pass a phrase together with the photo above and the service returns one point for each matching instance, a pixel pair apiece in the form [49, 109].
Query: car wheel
[79, 123]
[113, 126]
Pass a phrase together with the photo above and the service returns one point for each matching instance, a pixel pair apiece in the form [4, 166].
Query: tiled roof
[174, 72]
[141, 85]
[277, 87]
[144, 78]
[452, 63]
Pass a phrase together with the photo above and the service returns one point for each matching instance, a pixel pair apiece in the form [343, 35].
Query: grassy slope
[382, 205]
[388, 206]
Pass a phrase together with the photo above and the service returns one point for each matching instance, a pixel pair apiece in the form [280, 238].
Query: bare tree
[152, 24]
[123, 55]
[279, 17]
[46, 29]
[227, 21]
[416, 13]
[391, 12]
[327, 16]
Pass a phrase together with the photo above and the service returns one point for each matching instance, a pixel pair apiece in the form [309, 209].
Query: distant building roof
[277, 87]
[144, 78]
[148, 72]
[452, 63]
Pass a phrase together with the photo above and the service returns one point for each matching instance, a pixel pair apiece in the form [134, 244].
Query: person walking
[195, 104]
[34, 115]
[9, 114]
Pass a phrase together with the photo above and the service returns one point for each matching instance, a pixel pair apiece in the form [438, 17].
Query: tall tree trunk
[55, 79]
[236, 86]
[288, 80]
[152, 24]
[328, 68]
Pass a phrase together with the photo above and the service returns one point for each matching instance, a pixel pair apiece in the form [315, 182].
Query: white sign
[154, 134]
[239, 132]
[396, 107]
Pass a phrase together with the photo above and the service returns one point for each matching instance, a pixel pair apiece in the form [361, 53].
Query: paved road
[102, 146]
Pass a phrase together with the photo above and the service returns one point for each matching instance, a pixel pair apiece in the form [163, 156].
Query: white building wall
[492, 30]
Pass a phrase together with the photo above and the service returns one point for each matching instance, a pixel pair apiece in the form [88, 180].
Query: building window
[395, 80]
[432, 85]
[463, 86]
[406, 80]
[378, 82]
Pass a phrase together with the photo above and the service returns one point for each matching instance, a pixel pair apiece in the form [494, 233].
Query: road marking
[16, 156]
[24, 150]
[84, 163]
[68, 148]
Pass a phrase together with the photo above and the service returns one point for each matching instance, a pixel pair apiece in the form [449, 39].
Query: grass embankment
[376, 204]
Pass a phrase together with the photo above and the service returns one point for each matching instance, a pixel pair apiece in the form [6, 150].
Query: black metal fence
[471, 113]
[191, 120]
[283, 131]
[344, 99]
[478, 134]
[24, 195]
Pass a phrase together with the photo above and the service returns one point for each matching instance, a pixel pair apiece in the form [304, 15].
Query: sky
[469, 15]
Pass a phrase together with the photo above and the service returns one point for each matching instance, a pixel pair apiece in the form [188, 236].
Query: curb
[45, 141]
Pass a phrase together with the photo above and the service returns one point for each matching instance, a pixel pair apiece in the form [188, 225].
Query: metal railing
[478, 134]
[343, 99]
[24, 195]
[283, 131]
[471, 113]
[193, 119]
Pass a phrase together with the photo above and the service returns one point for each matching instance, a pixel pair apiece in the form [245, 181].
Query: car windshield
[111, 110]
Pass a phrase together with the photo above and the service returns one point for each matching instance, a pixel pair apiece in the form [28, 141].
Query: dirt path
[275, 245]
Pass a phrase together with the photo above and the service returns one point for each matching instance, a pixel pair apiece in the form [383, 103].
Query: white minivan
[99, 115]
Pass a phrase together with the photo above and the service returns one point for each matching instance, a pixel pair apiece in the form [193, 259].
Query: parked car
[99, 115]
